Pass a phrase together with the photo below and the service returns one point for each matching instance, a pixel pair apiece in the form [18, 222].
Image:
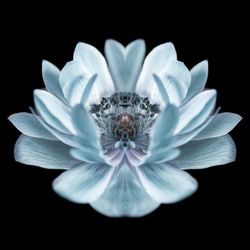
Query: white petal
[53, 111]
[177, 70]
[88, 148]
[65, 138]
[85, 125]
[125, 63]
[125, 196]
[84, 183]
[93, 60]
[51, 79]
[29, 125]
[166, 184]
[221, 125]
[181, 139]
[176, 78]
[206, 153]
[199, 74]
[162, 155]
[88, 90]
[43, 153]
[73, 79]
[161, 90]
[154, 63]
[89, 155]
[196, 111]
[164, 126]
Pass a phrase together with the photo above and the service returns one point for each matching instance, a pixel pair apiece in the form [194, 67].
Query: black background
[216, 213]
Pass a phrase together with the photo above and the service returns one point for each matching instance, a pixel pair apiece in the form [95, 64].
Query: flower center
[124, 120]
[124, 115]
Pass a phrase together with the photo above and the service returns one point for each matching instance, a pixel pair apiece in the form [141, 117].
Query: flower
[125, 130]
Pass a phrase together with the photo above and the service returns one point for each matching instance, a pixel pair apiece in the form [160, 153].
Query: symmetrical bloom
[125, 130]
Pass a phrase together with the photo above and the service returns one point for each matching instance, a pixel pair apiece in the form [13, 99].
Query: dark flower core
[125, 116]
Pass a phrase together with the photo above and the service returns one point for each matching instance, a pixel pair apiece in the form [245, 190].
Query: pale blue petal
[89, 154]
[94, 61]
[87, 138]
[206, 153]
[164, 125]
[53, 111]
[87, 91]
[166, 184]
[84, 183]
[221, 125]
[199, 74]
[125, 63]
[51, 79]
[161, 136]
[43, 153]
[73, 79]
[65, 138]
[177, 70]
[85, 125]
[125, 196]
[181, 139]
[161, 89]
[154, 63]
[72, 70]
[29, 125]
[196, 111]
[162, 155]
[176, 78]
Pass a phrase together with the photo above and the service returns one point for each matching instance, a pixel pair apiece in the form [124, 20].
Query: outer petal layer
[206, 153]
[29, 125]
[222, 124]
[84, 183]
[43, 153]
[166, 184]
[125, 196]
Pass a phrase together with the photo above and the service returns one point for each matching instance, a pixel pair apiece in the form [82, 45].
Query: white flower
[125, 132]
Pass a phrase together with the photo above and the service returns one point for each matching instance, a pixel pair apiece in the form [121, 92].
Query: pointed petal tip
[110, 40]
[45, 63]
[141, 41]
[37, 93]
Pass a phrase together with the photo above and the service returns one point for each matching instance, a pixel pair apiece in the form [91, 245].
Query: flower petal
[43, 153]
[196, 111]
[222, 124]
[206, 153]
[162, 155]
[89, 155]
[29, 125]
[164, 125]
[199, 74]
[51, 79]
[85, 125]
[73, 79]
[166, 184]
[181, 139]
[125, 63]
[84, 183]
[65, 138]
[88, 89]
[162, 90]
[176, 78]
[93, 60]
[154, 63]
[125, 196]
[53, 111]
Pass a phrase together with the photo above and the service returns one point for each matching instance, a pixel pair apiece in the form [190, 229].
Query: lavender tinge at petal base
[125, 128]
